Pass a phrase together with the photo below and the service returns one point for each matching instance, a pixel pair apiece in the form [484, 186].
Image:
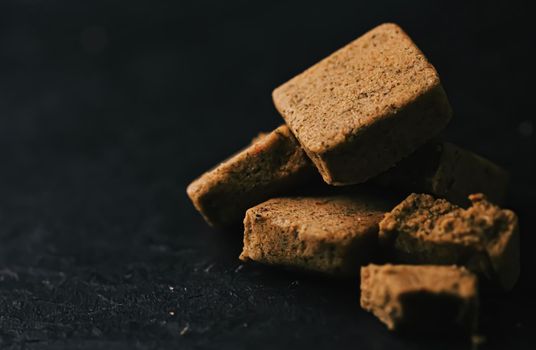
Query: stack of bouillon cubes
[366, 120]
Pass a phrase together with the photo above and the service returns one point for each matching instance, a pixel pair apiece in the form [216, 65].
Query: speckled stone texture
[365, 107]
[484, 238]
[421, 298]
[332, 235]
[447, 171]
[272, 164]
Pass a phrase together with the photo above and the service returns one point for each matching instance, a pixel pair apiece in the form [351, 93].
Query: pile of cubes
[358, 182]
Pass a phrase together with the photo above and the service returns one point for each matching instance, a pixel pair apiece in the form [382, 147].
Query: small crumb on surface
[208, 268]
[185, 330]
[294, 284]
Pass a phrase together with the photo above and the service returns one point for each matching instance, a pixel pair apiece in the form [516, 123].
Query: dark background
[108, 109]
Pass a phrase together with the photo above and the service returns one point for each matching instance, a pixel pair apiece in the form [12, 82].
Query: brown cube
[421, 298]
[272, 165]
[362, 109]
[448, 171]
[330, 234]
[484, 238]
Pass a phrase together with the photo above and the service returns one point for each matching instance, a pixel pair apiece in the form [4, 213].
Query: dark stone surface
[109, 109]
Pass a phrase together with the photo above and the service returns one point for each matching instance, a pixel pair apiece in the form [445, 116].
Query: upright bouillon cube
[365, 107]
[447, 171]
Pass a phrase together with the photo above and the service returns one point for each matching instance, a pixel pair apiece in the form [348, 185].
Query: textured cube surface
[420, 298]
[362, 109]
[332, 234]
[448, 171]
[272, 164]
[484, 238]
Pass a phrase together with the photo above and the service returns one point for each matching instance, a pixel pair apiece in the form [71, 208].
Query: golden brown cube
[365, 107]
[331, 234]
[272, 165]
